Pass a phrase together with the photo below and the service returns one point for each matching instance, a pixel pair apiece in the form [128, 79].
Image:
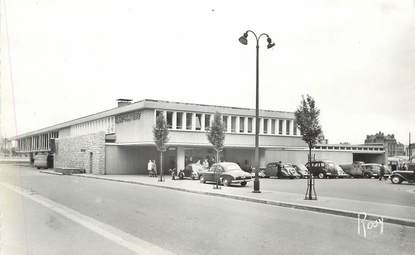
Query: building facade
[120, 140]
[391, 146]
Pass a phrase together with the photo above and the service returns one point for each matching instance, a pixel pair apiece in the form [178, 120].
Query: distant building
[392, 147]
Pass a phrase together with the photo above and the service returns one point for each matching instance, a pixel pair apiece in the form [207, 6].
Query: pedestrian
[381, 172]
[154, 168]
[150, 168]
[279, 169]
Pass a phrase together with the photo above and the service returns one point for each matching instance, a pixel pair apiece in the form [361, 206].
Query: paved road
[370, 190]
[186, 223]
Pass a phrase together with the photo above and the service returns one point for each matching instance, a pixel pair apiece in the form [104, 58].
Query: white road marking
[121, 238]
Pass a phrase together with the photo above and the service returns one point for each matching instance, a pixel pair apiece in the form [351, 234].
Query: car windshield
[372, 167]
[230, 166]
[302, 167]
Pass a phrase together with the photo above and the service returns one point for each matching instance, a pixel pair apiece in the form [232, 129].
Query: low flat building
[120, 140]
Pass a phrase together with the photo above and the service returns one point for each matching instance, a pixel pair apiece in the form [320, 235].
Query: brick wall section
[74, 152]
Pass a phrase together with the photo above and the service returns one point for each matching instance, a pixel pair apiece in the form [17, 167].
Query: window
[249, 125]
[225, 123]
[179, 120]
[189, 121]
[280, 127]
[241, 124]
[265, 126]
[273, 127]
[198, 121]
[233, 124]
[207, 121]
[169, 117]
[287, 129]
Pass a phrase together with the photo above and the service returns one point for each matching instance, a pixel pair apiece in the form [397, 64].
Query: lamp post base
[256, 187]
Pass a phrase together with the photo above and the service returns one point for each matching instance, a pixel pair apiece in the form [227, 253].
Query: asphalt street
[180, 222]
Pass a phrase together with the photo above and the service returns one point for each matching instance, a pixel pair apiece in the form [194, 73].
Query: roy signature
[364, 225]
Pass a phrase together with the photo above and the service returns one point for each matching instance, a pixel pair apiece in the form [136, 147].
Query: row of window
[105, 124]
[233, 124]
[38, 142]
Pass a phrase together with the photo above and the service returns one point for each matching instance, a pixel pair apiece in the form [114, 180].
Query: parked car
[371, 170]
[322, 169]
[340, 172]
[301, 170]
[287, 171]
[193, 171]
[354, 170]
[41, 161]
[399, 176]
[227, 172]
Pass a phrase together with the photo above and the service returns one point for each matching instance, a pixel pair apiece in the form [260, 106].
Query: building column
[284, 127]
[246, 125]
[193, 121]
[202, 120]
[174, 120]
[184, 120]
[237, 126]
[261, 126]
[269, 126]
[253, 125]
[180, 158]
[292, 127]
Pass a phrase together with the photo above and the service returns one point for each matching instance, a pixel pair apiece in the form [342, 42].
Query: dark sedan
[227, 173]
[399, 176]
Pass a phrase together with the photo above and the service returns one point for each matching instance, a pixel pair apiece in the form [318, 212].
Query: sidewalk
[396, 214]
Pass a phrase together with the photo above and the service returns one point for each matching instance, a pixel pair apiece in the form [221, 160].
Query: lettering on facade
[129, 116]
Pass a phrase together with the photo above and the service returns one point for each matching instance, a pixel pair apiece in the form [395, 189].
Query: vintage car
[354, 170]
[340, 172]
[287, 171]
[226, 173]
[301, 170]
[193, 171]
[322, 169]
[371, 170]
[399, 176]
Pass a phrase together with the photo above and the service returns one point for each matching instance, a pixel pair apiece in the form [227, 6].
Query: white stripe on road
[123, 239]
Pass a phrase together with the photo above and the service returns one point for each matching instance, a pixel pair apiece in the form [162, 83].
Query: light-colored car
[227, 173]
[301, 170]
[340, 172]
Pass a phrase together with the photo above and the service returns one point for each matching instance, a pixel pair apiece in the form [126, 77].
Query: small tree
[216, 136]
[161, 137]
[307, 118]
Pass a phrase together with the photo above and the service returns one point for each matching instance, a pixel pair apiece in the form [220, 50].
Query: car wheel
[226, 182]
[321, 176]
[243, 184]
[366, 175]
[202, 179]
[396, 180]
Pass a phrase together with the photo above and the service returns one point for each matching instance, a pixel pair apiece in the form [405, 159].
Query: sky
[61, 60]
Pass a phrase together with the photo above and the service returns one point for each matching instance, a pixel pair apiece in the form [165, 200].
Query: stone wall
[81, 152]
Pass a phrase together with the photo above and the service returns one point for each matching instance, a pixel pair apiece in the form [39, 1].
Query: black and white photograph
[207, 127]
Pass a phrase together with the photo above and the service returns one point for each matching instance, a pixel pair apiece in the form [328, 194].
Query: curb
[318, 209]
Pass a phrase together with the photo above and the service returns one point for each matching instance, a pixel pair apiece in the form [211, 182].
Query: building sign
[129, 116]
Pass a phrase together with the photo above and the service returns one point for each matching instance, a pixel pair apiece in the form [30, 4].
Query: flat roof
[162, 105]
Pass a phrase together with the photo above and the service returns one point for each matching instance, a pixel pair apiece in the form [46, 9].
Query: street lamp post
[244, 40]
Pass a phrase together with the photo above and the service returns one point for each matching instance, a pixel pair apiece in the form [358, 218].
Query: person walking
[279, 168]
[381, 172]
[150, 168]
